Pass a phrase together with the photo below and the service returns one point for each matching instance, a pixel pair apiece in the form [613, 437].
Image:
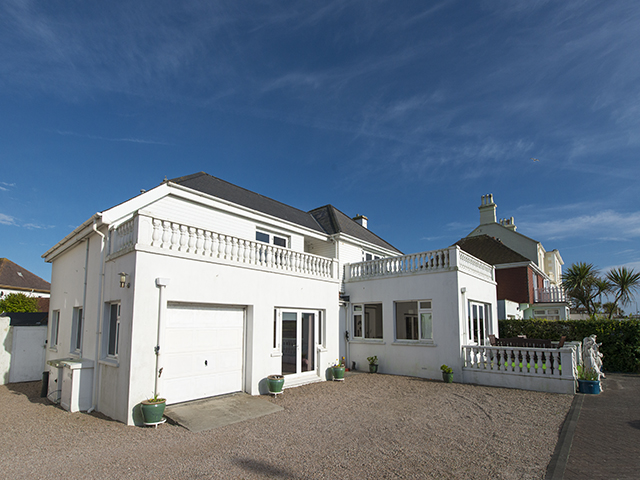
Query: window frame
[487, 322]
[112, 326]
[360, 310]
[55, 330]
[272, 236]
[77, 330]
[420, 310]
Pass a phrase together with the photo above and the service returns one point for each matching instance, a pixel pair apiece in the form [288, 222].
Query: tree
[624, 282]
[18, 302]
[582, 283]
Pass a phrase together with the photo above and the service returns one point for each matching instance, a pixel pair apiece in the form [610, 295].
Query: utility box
[74, 383]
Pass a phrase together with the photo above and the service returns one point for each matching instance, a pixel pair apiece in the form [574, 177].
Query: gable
[490, 250]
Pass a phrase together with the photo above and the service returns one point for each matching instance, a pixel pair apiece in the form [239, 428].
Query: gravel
[370, 426]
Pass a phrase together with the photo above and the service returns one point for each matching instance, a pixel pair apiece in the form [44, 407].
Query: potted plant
[447, 373]
[373, 364]
[337, 370]
[275, 382]
[588, 380]
[152, 410]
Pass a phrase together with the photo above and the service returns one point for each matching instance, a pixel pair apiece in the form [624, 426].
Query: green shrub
[620, 339]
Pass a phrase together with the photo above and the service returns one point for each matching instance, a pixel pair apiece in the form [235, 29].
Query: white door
[298, 342]
[203, 352]
[27, 356]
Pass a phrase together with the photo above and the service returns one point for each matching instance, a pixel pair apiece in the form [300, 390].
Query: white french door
[299, 341]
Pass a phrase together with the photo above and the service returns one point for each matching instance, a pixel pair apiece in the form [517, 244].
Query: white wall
[6, 347]
[449, 307]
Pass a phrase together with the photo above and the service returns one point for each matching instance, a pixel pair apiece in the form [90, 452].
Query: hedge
[620, 339]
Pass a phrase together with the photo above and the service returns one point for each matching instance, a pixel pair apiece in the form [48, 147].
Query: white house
[199, 288]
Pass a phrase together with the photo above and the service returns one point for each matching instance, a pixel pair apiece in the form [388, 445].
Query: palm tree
[624, 283]
[581, 283]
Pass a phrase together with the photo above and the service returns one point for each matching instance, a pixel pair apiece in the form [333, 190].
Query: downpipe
[96, 369]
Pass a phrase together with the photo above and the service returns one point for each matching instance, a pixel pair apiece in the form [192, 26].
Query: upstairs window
[272, 238]
[414, 321]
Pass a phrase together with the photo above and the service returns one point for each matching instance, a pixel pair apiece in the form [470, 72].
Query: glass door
[298, 342]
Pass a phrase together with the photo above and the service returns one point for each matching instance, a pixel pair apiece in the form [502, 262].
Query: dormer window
[272, 238]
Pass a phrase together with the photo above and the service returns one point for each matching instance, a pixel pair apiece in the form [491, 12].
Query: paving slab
[215, 412]
[601, 435]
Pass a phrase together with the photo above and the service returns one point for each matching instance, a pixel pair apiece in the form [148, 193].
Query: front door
[298, 342]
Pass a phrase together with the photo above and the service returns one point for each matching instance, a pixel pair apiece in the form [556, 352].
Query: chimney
[361, 219]
[487, 210]
[508, 223]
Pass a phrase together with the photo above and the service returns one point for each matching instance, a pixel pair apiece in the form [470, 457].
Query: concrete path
[209, 413]
[600, 438]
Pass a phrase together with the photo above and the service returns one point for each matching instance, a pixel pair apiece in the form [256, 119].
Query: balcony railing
[549, 295]
[435, 261]
[154, 234]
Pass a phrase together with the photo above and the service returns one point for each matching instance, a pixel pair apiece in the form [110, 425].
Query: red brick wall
[514, 284]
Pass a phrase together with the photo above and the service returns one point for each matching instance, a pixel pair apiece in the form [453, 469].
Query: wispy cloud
[96, 137]
[7, 219]
[4, 186]
[604, 225]
[35, 226]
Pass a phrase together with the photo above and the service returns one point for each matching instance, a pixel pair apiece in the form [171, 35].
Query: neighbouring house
[16, 279]
[529, 278]
[23, 338]
[199, 288]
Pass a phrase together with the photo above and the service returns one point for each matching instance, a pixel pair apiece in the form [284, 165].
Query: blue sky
[406, 112]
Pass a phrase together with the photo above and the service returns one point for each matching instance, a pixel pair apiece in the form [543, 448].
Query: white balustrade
[197, 242]
[535, 362]
[416, 263]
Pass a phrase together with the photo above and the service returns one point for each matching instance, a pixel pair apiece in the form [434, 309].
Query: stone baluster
[241, 251]
[191, 246]
[206, 248]
[156, 236]
[199, 241]
[234, 248]
[175, 236]
[184, 238]
[252, 253]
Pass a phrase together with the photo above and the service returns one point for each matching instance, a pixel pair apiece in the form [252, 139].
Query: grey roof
[490, 250]
[327, 219]
[24, 319]
[216, 187]
[334, 221]
[14, 276]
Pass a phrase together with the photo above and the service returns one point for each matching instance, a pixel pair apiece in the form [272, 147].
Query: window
[277, 240]
[479, 323]
[55, 325]
[113, 329]
[367, 321]
[370, 256]
[414, 321]
[76, 330]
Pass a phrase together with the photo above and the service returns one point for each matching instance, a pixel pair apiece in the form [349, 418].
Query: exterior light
[123, 280]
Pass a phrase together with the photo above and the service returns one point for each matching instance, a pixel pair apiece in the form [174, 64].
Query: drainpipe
[84, 296]
[161, 283]
[96, 369]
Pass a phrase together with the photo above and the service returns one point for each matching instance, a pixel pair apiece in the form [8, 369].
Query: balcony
[435, 261]
[549, 295]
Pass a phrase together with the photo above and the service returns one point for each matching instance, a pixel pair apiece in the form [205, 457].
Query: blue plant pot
[589, 386]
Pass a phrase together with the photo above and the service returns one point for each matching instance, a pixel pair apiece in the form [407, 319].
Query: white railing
[521, 367]
[424, 262]
[122, 238]
[208, 245]
[416, 263]
[549, 295]
[470, 264]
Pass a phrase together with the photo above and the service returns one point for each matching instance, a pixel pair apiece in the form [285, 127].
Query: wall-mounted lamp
[123, 280]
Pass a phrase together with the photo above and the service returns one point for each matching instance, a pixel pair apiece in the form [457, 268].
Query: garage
[203, 352]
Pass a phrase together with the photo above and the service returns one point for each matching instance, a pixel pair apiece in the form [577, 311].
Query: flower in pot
[447, 373]
[275, 382]
[373, 364]
[152, 409]
[337, 370]
[588, 380]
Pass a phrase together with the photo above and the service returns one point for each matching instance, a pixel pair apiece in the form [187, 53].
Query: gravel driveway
[370, 426]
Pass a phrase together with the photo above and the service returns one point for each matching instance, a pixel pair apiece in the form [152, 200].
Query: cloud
[604, 225]
[35, 226]
[131, 140]
[7, 219]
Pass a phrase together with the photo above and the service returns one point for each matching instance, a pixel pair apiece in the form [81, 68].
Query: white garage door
[203, 352]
